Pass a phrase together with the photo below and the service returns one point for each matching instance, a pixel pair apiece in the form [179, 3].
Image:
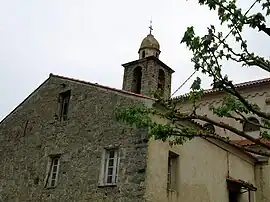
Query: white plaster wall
[263, 182]
[202, 171]
[256, 95]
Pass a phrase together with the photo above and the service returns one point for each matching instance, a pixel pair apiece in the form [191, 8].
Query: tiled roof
[238, 85]
[101, 86]
[254, 82]
[250, 143]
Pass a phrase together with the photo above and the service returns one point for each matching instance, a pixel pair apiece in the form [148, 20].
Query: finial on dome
[150, 27]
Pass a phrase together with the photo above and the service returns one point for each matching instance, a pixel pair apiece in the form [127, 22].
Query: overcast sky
[90, 39]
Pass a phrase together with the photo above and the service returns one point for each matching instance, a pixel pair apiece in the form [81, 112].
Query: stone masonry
[150, 68]
[32, 132]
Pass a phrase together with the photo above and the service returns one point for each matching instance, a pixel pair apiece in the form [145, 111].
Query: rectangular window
[64, 103]
[238, 187]
[110, 166]
[234, 189]
[52, 174]
[172, 171]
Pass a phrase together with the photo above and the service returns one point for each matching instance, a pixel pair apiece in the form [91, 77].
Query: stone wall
[31, 133]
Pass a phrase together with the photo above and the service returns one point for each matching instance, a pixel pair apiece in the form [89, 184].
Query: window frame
[64, 100]
[105, 166]
[50, 178]
[172, 172]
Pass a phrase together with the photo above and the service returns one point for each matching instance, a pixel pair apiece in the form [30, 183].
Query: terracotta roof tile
[246, 142]
[239, 85]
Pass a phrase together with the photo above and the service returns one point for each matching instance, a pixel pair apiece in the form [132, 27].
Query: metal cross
[150, 27]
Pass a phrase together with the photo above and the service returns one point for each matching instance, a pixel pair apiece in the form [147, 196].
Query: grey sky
[90, 39]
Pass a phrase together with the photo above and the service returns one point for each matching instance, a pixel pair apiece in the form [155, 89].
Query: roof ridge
[101, 86]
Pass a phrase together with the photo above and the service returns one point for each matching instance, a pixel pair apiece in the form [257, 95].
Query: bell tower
[148, 73]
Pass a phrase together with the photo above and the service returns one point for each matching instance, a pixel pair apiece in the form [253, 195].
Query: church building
[63, 143]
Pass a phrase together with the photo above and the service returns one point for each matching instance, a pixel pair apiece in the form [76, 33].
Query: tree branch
[225, 126]
[247, 105]
[180, 117]
[244, 119]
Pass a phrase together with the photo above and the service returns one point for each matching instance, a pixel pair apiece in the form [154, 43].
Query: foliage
[142, 117]
[208, 53]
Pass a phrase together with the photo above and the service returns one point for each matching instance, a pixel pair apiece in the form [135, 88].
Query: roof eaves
[243, 183]
[250, 143]
[238, 86]
[224, 140]
[101, 86]
[148, 58]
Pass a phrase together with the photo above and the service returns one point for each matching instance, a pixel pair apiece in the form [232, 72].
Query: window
[64, 102]
[110, 166]
[238, 187]
[172, 171]
[52, 174]
[209, 126]
[249, 127]
[234, 190]
[161, 81]
[143, 54]
[137, 79]
[234, 196]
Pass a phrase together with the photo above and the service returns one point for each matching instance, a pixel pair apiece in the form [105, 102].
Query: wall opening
[137, 79]
[64, 105]
[210, 127]
[172, 171]
[143, 54]
[161, 81]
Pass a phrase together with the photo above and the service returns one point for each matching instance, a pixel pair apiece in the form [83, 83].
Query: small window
[234, 196]
[64, 104]
[209, 126]
[238, 187]
[172, 171]
[110, 166]
[249, 127]
[143, 54]
[52, 174]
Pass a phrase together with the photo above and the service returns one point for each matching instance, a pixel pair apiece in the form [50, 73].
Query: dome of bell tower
[149, 42]
[149, 46]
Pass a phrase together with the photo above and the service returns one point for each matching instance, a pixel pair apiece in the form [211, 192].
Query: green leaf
[196, 85]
